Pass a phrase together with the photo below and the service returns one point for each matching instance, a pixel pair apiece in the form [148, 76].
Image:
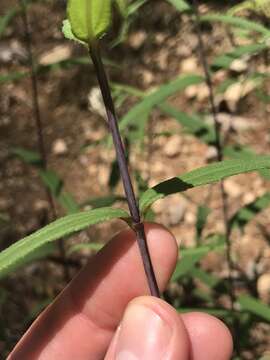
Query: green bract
[66, 29]
[88, 20]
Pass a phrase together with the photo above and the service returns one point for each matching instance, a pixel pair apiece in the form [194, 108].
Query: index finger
[82, 320]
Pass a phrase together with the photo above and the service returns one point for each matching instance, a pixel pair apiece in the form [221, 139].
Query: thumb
[150, 329]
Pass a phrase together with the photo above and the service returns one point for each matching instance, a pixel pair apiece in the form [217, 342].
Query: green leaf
[89, 19]
[4, 219]
[38, 254]
[102, 201]
[202, 176]
[193, 124]
[249, 211]
[68, 202]
[67, 31]
[255, 307]
[52, 181]
[12, 256]
[262, 96]
[243, 152]
[28, 156]
[236, 21]
[202, 215]
[205, 277]
[13, 76]
[190, 257]
[157, 97]
[225, 61]
[6, 19]
[122, 6]
[260, 7]
[85, 246]
[180, 5]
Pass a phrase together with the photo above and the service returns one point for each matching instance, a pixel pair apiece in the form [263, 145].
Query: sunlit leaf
[12, 257]
[202, 176]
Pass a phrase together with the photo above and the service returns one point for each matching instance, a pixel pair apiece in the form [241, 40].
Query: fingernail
[143, 335]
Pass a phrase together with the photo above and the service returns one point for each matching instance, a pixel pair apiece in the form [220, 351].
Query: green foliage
[157, 97]
[6, 19]
[260, 7]
[51, 181]
[237, 22]
[202, 215]
[190, 257]
[89, 19]
[225, 60]
[243, 216]
[255, 307]
[202, 176]
[28, 156]
[103, 201]
[180, 5]
[128, 18]
[14, 256]
[12, 77]
[122, 5]
[49, 178]
[193, 124]
[85, 246]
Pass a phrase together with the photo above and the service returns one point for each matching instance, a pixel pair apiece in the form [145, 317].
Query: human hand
[102, 314]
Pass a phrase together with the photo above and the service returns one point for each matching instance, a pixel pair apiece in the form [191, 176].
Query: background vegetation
[191, 87]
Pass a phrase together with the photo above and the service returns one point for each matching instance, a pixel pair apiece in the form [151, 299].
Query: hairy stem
[122, 163]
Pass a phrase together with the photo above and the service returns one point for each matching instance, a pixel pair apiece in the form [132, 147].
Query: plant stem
[219, 148]
[122, 163]
[39, 124]
[35, 102]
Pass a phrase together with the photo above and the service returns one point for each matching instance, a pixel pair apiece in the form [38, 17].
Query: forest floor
[156, 51]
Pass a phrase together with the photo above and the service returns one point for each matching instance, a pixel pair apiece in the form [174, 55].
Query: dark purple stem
[123, 166]
[35, 102]
[219, 148]
[38, 121]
